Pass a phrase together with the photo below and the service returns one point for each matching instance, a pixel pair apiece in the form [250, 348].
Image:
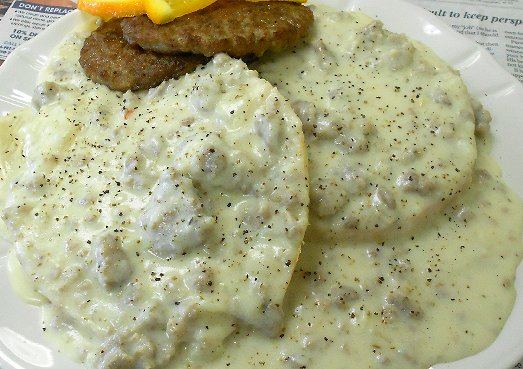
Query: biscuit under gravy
[168, 218]
[389, 126]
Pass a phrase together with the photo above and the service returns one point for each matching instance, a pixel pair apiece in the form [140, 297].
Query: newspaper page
[23, 20]
[497, 25]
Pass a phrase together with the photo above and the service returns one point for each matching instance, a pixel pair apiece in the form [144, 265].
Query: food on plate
[154, 53]
[108, 59]
[108, 9]
[238, 28]
[159, 11]
[413, 238]
[156, 224]
[164, 11]
[389, 126]
[163, 226]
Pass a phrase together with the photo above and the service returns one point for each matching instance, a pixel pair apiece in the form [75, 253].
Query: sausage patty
[108, 59]
[238, 28]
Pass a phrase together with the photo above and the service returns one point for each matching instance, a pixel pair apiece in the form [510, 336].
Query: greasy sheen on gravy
[438, 289]
[160, 222]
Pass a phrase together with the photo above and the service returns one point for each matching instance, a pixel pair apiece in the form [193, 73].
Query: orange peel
[164, 11]
[159, 11]
[108, 9]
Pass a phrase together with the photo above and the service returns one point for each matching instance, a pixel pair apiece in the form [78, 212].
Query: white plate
[22, 345]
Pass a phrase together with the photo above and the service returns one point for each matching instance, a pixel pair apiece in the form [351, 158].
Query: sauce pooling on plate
[392, 137]
[408, 212]
[158, 222]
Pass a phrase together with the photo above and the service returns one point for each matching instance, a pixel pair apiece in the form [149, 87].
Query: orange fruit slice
[164, 11]
[107, 9]
[159, 11]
